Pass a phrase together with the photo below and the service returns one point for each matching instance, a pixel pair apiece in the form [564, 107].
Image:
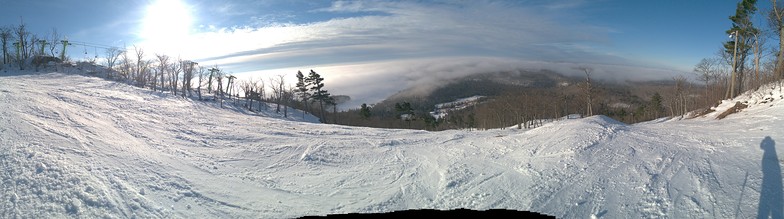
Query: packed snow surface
[77, 146]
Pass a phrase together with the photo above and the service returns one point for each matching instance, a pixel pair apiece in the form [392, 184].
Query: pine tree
[656, 104]
[319, 94]
[364, 111]
[471, 121]
[405, 112]
[744, 31]
[303, 85]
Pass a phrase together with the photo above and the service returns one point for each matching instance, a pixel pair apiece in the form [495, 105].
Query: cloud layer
[372, 49]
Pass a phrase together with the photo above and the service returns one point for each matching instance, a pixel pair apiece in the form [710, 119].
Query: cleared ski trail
[82, 146]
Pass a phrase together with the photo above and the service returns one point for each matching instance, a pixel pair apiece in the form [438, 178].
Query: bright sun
[166, 21]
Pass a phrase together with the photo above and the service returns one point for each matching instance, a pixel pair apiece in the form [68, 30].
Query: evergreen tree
[364, 111]
[405, 112]
[303, 85]
[430, 121]
[319, 94]
[656, 105]
[742, 25]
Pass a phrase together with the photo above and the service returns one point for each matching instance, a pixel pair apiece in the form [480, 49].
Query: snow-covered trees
[200, 74]
[405, 112]
[364, 111]
[188, 68]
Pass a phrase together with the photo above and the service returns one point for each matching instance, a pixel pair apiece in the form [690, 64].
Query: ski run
[81, 146]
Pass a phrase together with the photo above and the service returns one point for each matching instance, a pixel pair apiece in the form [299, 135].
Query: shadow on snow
[771, 200]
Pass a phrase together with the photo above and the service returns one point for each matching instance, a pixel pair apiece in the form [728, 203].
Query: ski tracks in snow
[95, 148]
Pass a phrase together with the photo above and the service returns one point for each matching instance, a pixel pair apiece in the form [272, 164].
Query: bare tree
[707, 71]
[32, 39]
[144, 72]
[247, 91]
[260, 90]
[588, 90]
[163, 65]
[21, 44]
[40, 42]
[112, 54]
[54, 37]
[200, 73]
[759, 47]
[140, 66]
[288, 98]
[680, 94]
[126, 66]
[174, 74]
[277, 83]
[776, 21]
[5, 37]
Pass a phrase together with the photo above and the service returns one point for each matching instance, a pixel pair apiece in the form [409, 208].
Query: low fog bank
[373, 82]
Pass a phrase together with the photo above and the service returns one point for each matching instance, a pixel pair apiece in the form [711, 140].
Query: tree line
[181, 77]
[741, 64]
[533, 106]
[19, 45]
[744, 62]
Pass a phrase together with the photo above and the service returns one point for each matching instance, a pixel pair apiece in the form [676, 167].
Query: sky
[372, 49]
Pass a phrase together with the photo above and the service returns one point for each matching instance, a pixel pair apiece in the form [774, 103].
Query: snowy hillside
[442, 109]
[82, 146]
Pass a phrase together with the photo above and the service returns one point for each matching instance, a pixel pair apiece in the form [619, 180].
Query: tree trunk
[321, 106]
[780, 57]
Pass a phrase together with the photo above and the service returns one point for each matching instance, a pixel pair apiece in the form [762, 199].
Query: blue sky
[385, 46]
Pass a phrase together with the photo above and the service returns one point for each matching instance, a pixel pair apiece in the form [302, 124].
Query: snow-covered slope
[82, 146]
[442, 109]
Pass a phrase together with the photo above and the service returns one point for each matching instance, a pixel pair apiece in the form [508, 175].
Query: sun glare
[166, 21]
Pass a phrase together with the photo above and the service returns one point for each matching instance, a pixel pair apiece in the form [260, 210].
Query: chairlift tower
[43, 46]
[65, 45]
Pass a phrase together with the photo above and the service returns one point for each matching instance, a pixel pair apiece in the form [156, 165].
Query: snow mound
[766, 96]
